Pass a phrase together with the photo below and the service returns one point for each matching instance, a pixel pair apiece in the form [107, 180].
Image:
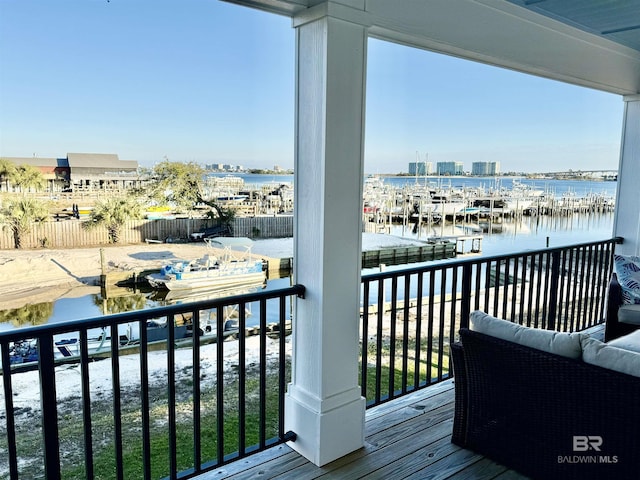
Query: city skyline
[212, 82]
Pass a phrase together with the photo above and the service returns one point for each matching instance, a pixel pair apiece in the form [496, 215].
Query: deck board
[407, 438]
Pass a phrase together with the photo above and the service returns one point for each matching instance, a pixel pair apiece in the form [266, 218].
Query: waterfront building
[450, 168]
[485, 168]
[84, 171]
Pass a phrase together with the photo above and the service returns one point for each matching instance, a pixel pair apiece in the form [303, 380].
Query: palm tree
[6, 171]
[26, 177]
[19, 215]
[112, 213]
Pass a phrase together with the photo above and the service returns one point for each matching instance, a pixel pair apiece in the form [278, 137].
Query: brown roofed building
[91, 171]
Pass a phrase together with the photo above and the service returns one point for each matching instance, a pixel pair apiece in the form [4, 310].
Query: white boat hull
[209, 281]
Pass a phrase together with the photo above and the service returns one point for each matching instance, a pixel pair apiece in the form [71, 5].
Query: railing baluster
[242, 380]
[86, 405]
[487, 286]
[364, 362]
[432, 295]
[514, 289]
[496, 289]
[478, 280]
[144, 401]
[505, 292]
[405, 331]
[8, 408]
[562, 297]
[49, 406]
[454, 304]
[379, 340]
[553, 290]
[263, 373]
[117, 404]
[599, 280]
[592, 277]
[416, 373]
[220, 384]
[394, 337]
[465, 307]
[523, 290]
[171, 384]
[197, 416]
[282, 385]
[582, 285]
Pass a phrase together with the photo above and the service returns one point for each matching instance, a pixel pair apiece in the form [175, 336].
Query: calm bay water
[528, 233]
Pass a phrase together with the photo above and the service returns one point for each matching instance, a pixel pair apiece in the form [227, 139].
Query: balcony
[121, 419]
[338, 365]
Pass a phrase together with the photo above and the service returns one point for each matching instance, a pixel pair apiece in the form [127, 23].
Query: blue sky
[207, 81]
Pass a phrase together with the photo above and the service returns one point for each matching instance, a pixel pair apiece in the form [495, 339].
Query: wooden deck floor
[408, 438]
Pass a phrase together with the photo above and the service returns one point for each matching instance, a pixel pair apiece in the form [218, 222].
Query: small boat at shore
[235, 268]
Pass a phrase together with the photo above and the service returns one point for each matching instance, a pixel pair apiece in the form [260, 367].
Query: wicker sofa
[544, 415]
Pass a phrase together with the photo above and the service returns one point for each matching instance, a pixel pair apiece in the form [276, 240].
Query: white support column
[627, 220]
[323, 404]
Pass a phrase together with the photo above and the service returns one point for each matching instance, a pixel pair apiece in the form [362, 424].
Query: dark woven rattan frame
[522, 408]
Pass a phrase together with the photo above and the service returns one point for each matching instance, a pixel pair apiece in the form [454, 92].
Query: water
[527, 233]
[556, 188]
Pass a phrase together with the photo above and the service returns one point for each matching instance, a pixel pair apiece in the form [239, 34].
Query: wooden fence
[72, 233]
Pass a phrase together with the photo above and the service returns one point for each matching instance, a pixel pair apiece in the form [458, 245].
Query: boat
[234, 268]
[23, 351]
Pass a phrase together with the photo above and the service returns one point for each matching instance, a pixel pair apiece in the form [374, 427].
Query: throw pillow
[628, 272]
[564, 344]
[597, 353]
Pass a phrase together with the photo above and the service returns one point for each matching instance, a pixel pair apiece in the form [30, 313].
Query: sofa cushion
[604, 355]
[628, 272]
[630, 341]
[629, 314]
[564, 344]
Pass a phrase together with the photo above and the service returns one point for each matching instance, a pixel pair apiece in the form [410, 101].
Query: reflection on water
[127, 301]
[118, 300]
[27, 316]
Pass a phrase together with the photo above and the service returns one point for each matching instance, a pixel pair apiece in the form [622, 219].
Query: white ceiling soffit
[507, 33]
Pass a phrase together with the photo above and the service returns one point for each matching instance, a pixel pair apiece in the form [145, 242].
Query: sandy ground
[35, 276]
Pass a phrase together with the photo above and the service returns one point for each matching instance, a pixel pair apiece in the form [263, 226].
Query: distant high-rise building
[485, 168]
[418, 168]
[450, 168]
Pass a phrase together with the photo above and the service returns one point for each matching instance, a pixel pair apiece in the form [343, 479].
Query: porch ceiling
[618, 21]
[585, 42]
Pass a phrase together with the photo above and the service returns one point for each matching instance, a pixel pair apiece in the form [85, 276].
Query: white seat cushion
[565, 344]
[627, 342]
[604, 355]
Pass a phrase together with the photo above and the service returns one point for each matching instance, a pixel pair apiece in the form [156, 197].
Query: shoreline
[40, 275]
